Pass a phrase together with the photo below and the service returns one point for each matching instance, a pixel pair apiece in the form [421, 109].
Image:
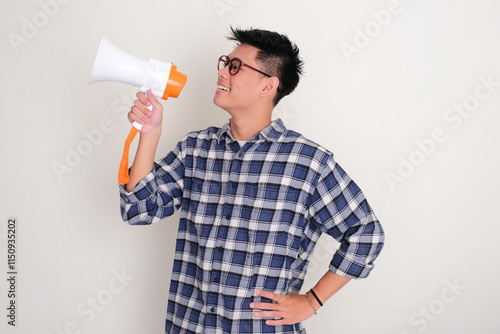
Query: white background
[376, 107]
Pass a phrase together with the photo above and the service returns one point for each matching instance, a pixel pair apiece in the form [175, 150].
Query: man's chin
[219, 103]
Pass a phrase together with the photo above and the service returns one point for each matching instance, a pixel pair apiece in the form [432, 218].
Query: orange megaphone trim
[176, 81]
[123, 176]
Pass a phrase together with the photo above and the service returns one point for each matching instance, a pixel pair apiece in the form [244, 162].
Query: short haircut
[277, 55]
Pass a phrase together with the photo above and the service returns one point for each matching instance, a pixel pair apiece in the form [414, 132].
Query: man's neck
[245, 128]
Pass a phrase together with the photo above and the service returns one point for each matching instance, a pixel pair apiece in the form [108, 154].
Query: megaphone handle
[123, 176]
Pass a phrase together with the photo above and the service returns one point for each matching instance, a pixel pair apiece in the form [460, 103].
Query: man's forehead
[245, 52]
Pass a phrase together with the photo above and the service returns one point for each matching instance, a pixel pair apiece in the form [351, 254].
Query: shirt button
[216, 279]
[228, 217]
[212, 310]
[240, 155]
[234, 185]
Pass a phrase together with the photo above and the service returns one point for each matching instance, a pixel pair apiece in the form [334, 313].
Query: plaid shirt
[250, 217]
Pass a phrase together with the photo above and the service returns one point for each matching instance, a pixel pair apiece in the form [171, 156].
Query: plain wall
[405, 93]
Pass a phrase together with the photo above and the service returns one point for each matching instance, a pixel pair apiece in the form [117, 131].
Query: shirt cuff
[142, 191]
[350, 269]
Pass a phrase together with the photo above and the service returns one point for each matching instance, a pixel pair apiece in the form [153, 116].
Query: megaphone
[114, 64]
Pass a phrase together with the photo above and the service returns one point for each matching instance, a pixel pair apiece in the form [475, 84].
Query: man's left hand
[291, 308]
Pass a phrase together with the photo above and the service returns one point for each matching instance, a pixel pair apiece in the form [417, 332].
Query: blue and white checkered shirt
[250, 217]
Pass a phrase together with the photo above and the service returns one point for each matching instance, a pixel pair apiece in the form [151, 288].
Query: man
[254, 199]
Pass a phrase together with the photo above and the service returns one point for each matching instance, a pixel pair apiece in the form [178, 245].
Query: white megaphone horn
[114, 64]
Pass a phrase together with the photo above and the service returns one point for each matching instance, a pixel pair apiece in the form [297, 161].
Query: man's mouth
[224, 88]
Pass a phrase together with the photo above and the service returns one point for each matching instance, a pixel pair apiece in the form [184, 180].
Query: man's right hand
[149, 119]
[150, 135]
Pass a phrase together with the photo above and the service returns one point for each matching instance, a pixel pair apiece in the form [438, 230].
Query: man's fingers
[141, 106]
[276, 322]
[264, 306]
[137, 115]
[267, 294]
[267, 314]
[142, 97]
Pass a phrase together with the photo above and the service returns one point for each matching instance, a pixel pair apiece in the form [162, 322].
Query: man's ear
[271, 86]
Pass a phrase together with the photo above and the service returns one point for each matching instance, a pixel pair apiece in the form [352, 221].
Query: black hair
[277, 55]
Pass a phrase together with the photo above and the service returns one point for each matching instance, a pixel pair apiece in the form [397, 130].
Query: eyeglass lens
[234, 64]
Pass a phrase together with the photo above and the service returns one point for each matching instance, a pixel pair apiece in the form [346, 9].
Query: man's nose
[224, 72]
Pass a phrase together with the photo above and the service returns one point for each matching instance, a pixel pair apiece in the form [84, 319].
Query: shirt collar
[270, 133]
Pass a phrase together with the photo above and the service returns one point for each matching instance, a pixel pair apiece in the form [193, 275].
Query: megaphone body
[114, 64]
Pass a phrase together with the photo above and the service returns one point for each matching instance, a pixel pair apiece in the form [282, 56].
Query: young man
[254, 199]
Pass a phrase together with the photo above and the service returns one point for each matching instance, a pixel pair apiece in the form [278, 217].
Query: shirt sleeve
[339, 208]
[158, 194]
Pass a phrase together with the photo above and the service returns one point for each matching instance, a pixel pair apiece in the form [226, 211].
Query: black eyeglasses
[235, 65]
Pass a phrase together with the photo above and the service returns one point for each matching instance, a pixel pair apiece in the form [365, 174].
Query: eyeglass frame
[231, 66]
